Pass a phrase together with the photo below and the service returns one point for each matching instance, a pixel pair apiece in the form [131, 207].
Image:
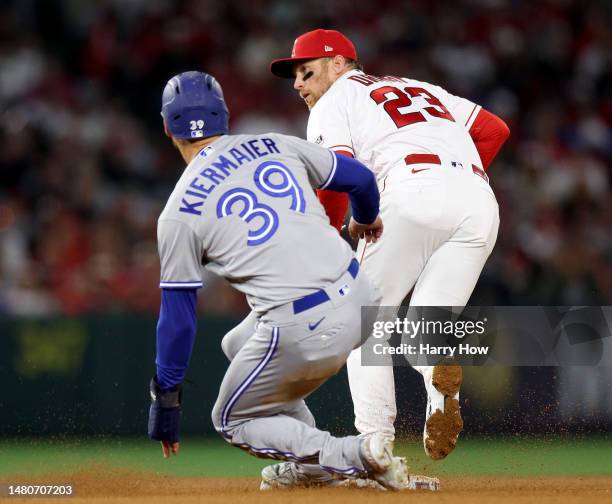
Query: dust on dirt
[116, 486]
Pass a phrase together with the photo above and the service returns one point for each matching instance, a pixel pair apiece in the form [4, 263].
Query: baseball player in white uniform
[429, 151]
[245, 208]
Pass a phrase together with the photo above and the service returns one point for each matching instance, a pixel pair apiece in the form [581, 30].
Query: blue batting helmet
[193, 106]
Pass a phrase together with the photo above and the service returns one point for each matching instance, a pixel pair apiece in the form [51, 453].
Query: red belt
[434, 159]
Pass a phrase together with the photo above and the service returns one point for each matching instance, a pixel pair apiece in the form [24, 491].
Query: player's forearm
[176, 330]
[489, 133]
[359, 182]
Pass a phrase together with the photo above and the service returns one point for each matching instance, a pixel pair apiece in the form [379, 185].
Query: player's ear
[338, 63]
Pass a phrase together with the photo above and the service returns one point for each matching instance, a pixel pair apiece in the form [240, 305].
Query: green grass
[214, 457]
[517, 457]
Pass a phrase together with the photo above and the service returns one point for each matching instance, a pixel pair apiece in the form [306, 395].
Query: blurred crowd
[85, 168]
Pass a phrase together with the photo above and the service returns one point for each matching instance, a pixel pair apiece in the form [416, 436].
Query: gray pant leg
[231, 344]
[278, 366]
[254, 401]
[297, 442]
[311, 471]
[300, 411]
[234, 340]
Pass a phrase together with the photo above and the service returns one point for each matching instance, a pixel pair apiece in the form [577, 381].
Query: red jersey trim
[344, 153]
[343, 147]
[471, 114]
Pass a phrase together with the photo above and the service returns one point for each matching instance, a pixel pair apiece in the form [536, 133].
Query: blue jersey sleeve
[176, 330]
[354, 178]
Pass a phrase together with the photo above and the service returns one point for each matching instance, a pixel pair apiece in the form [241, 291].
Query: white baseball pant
[440, 227]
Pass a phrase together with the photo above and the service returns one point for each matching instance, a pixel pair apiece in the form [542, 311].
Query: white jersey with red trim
[381, 120]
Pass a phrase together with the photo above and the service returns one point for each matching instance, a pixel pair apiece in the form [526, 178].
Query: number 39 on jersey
[273, 179]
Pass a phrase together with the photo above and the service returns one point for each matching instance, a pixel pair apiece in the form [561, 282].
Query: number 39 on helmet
[193, 106]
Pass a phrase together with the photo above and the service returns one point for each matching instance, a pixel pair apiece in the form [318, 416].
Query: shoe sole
[443, 428]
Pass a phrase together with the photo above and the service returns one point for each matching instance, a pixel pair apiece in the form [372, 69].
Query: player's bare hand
[369, 232]
[168, 448]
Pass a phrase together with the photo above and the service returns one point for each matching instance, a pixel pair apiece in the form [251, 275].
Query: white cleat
[391, 472]
[443, 421]
[287, 475]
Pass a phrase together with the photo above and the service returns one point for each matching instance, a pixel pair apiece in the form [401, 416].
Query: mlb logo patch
[206, 151]
[344, 290]
[197, 134]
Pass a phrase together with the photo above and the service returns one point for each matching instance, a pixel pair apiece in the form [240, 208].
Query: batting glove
[165, 412]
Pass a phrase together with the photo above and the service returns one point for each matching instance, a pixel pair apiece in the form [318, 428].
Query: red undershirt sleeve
[335, 203]
[489, 133]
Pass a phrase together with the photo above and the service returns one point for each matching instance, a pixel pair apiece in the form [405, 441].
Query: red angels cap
[311, 45]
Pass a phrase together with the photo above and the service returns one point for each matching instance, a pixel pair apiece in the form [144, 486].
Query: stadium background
[85, 171]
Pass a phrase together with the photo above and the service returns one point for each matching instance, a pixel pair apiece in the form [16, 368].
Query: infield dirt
[128, 487]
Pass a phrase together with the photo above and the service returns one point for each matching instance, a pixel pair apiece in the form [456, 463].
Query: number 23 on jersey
[393, 99]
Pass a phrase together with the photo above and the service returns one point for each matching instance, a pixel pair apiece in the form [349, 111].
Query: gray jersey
[245, 209]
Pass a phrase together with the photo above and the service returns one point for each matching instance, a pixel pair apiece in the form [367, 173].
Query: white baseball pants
[440, 227]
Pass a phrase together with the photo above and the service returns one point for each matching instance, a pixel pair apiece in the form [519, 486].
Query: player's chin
[309, 102]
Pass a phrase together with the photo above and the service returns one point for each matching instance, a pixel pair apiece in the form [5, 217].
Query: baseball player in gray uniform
[245, 209]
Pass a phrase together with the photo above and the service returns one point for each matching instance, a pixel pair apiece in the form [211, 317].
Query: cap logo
[293, 50]
[327, 48]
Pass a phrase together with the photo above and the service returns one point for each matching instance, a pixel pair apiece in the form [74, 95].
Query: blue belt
[320, 296]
